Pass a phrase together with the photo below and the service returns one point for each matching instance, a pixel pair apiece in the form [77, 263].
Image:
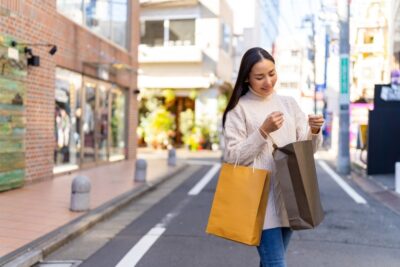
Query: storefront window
[107, 18]
[117, 147]
[88, 122]
[102, 123]
[66, 121]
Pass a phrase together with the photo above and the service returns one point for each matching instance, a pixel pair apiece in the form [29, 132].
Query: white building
[394, 31]
[186, 47]
[261, 27]
[295, 71]
[370, 46]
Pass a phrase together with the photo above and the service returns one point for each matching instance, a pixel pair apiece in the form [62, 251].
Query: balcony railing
[165, 54]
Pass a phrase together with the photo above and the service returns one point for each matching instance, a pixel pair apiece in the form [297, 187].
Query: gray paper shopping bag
[295, 169]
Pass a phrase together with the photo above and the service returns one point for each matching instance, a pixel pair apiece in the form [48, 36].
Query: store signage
[13, 62]
[390, 93]
[13, 53]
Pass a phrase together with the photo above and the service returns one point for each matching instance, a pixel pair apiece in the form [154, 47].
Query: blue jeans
[273, 245]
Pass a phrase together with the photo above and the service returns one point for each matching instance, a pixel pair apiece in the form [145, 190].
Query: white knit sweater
[245, 144]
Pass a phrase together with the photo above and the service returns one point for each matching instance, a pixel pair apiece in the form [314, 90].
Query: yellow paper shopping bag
[239, 204]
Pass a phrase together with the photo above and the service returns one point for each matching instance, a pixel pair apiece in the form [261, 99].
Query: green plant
[158, 127]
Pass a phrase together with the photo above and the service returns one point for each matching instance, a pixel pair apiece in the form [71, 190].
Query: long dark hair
[250, 58]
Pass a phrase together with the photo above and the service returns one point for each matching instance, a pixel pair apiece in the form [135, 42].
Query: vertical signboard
[12, 115]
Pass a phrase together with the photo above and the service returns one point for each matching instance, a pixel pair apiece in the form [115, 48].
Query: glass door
[117, 126]
[102, 121]
[88, 122]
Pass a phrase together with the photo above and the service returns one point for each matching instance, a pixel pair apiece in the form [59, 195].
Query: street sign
[344, 75]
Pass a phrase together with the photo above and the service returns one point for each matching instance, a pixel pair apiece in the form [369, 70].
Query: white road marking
[350, 191]
[205, 180]
[137, 252]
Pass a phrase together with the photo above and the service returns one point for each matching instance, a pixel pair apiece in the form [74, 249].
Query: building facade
[395, 32]
[67, 96]
[370, 47]
[265, 25]
[261, 31]
[185, 58]
[295, 71]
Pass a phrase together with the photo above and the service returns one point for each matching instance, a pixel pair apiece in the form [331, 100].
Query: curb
[387, 197]
[38, 249]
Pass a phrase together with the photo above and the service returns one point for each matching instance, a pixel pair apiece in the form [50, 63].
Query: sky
[244, 12]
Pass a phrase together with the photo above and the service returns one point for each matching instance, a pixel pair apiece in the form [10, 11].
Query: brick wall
[34, 21]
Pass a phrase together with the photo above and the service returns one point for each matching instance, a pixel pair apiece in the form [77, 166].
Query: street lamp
[34, 60]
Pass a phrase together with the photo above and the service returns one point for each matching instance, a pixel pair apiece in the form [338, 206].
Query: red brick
[39, 22]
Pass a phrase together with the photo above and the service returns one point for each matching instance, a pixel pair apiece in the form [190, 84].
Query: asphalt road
[166, 228]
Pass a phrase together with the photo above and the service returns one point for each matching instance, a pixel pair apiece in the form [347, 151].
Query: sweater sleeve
[303, 130]
[240, 146]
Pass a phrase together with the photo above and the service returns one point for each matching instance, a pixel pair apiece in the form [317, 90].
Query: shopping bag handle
[274, 145]
[237, 161]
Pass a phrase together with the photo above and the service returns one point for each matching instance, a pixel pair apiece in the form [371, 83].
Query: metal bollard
[140, 170]
[172, 157]
[397, 178]
[80, 194]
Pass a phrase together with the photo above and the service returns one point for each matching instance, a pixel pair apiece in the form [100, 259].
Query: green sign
[344, 75]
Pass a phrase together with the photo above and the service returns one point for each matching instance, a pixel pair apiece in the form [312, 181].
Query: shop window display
[102, 123]
[89, 121]
[117, 146]
[88, 124]
[66, 125]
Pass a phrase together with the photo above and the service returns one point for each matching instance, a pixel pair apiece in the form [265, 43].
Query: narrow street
[166, 228]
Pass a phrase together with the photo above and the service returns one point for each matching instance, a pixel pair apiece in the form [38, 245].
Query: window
[153, 33]
[102, 122]
[107, 18]
[181, 32]
[169, 32]
[117, 146]
[226, 37]
[67, 117]
[89, 120]
[71, 9]
[295, 53]
[369, 37]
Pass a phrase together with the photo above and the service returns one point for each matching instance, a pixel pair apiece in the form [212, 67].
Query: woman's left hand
[315, 122]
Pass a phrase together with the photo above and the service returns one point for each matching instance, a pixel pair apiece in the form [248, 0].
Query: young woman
[255, 118]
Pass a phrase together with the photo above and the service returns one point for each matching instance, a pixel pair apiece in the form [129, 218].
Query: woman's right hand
[272, 123]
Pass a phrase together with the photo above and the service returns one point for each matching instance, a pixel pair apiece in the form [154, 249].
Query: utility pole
[314, 62]
[343, 159]
[312, 54]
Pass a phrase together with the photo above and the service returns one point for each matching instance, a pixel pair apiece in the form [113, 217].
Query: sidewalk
[36, 217]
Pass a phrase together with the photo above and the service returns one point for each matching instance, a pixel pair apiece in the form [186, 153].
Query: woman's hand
[272, 123]
[315, 122]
